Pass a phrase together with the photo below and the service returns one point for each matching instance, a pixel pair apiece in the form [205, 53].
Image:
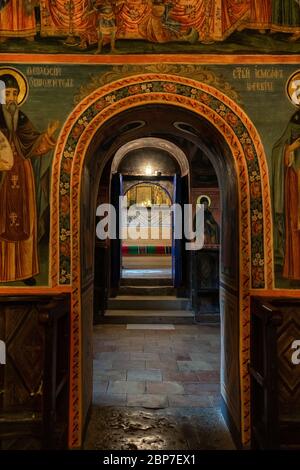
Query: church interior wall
[53, 99]
[57, 85]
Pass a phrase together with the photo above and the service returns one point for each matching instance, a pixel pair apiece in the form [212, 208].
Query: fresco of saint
[17, 19]
[18, 211]
[101, 25]
[159, 26]
[194, 14]
[131, 14]
[286, 199]
[211, 227]
[214, 20]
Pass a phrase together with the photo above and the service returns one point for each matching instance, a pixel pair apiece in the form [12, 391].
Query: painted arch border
[253, 188]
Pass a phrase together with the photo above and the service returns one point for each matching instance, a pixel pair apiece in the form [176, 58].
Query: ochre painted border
[276, 293]
[35, 290]
[213, 59]
[244, 212]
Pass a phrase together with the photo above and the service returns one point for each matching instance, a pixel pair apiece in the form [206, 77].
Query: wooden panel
[24, 339]
[34, 382]
[275, 384]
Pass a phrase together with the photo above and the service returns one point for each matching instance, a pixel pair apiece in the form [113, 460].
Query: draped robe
[16, 20]
[286, 201]
[18, 214]
[56, 19]
[130, 16]
[213, 19]
[260, 14]
[286, 16]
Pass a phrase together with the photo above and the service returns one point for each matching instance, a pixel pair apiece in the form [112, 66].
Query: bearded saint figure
[18, 211]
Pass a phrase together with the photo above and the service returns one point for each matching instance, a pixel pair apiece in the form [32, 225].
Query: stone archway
[256, 257]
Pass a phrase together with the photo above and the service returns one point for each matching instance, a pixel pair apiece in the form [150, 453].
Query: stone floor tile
[212, 376]
[183, 357]
[105, 399]
[200, 388]
[202, 401]
[158, 347]
[99, 347]
[120, 364]
[194, 366]
[165, 365]
[183, 377]
[148, 401]
[131, 348]
[119, 387]
[217, 400]
[100, 386]
[212, 355]
[113, 356]
[146, 374]
[167, 388]
[100, 365]
[111, 374]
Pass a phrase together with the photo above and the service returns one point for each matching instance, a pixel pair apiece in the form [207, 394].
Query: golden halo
[21, 79]
[293, 89]
[204, 196]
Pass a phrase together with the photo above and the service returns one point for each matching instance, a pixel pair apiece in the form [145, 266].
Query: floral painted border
[229, 116]
[254, 203]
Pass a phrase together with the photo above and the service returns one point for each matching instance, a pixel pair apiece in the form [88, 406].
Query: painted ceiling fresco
[150, 26]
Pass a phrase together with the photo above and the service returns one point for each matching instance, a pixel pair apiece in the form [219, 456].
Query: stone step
[146, 281]
[148, 302]
[207, 318]
[147, 317]
[147, 290]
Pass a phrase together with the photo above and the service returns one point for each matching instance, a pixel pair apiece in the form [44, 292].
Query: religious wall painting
[286, 195]
[139, 26]
[211, 226]
[22, 186]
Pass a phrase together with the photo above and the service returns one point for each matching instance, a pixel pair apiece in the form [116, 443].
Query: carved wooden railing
[275, 380]
[34, 382]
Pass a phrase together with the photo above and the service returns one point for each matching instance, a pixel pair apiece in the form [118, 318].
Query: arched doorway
[150, 254]
[160, 162]
[70, 175]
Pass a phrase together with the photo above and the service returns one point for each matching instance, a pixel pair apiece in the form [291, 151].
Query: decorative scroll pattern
[256, 263]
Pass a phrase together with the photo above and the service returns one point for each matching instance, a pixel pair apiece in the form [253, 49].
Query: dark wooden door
[177, 243]
[115, 244]
[34, 381]
[179, 254]
[263, 372]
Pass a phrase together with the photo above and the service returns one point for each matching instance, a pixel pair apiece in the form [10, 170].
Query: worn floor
[157, 388]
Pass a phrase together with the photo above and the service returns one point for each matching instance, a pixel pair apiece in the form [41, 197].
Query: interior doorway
[149, 205]
[203, 142]
[153, 173]
[156, 289]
